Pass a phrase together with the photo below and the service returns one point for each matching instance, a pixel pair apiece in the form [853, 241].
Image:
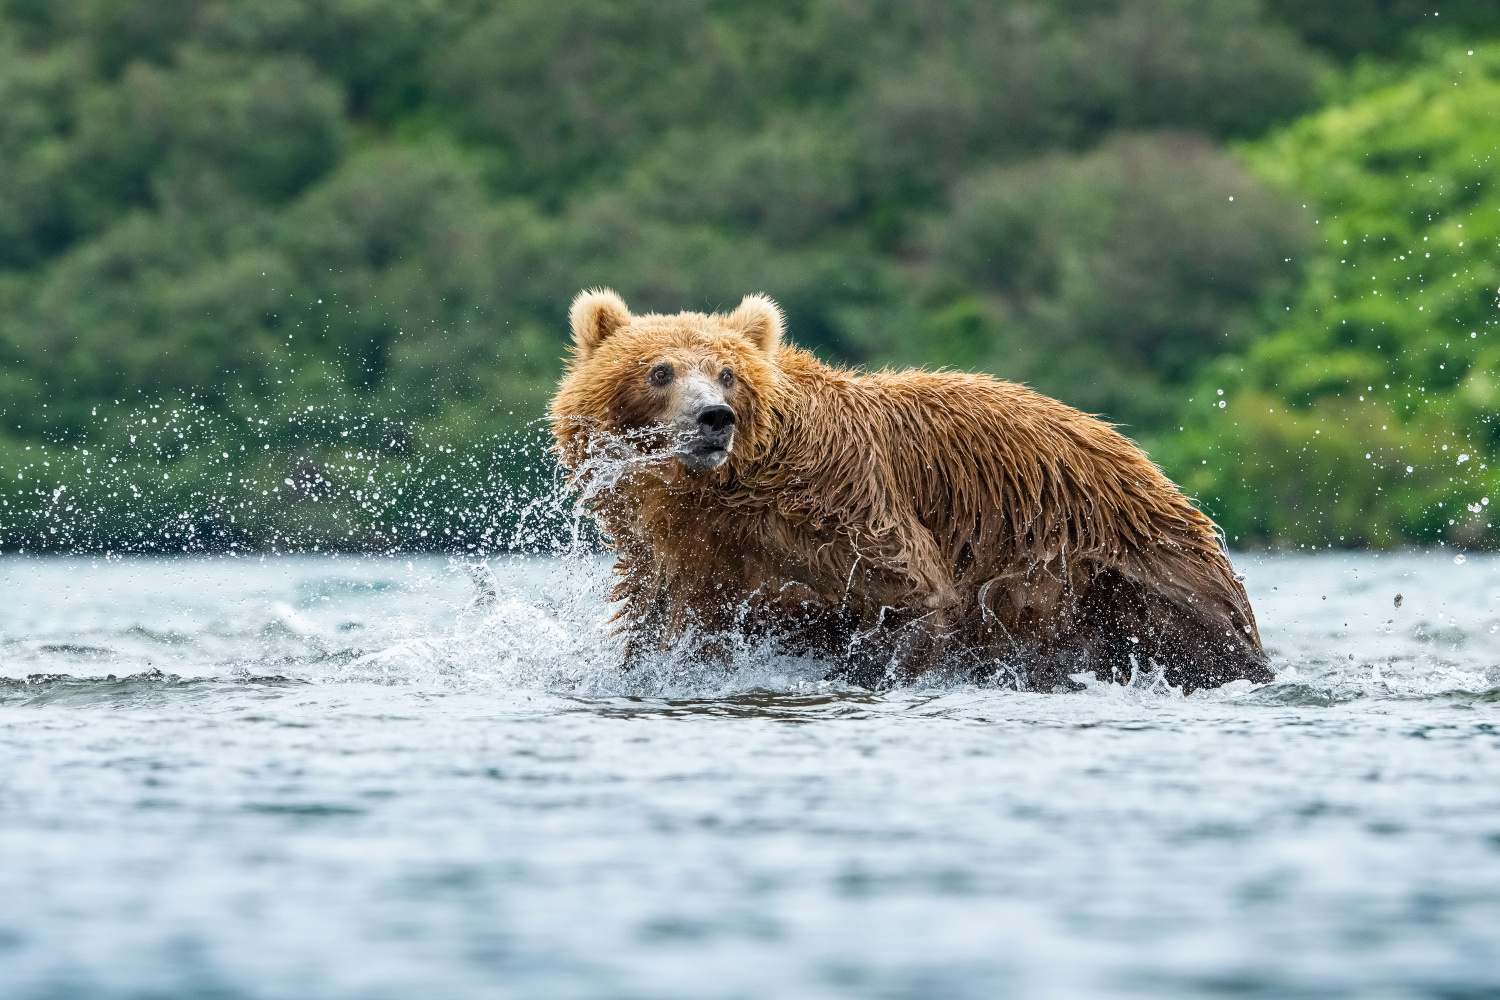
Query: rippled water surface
[311, 777]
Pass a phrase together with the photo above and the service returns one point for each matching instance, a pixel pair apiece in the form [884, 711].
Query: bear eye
[661, 374]
[726, 378]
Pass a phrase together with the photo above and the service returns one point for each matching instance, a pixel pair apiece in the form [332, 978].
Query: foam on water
[368, 777]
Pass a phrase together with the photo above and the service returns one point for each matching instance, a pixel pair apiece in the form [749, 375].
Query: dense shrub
[1109, 277]
[1368, 414]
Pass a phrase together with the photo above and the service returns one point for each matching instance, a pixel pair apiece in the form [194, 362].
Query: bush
[1367, 412]
[1108, 279]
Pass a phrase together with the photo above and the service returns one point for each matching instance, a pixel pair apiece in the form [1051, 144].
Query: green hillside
[296, 273]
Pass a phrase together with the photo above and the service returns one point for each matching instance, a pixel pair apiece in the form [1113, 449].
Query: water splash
[181, 477]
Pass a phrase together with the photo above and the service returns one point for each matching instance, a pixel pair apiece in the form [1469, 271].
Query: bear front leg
[643, 614]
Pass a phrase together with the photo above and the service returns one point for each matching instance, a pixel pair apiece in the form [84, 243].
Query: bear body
[894, 522]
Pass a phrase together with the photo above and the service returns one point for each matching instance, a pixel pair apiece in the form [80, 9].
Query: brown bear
[894, 522]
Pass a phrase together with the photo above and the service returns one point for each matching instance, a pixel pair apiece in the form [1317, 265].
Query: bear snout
[705, 443]
[715, 424]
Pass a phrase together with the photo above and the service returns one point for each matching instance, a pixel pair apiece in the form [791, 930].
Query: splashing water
[389, 776]
[179, 477]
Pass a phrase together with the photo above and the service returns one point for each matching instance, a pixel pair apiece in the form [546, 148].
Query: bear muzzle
[706, 445]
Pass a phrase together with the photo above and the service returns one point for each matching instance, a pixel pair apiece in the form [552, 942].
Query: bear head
[692, 388]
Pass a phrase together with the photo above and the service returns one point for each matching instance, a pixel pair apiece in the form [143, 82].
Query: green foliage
[382, 285]
[381, 209]
[1368, 414]
[1108, 278]
[1350, 28]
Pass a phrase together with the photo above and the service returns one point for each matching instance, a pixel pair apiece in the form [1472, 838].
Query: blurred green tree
[1109, 278]
[1367, 414]
[1350, 28]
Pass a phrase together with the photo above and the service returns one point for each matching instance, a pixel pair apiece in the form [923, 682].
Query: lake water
[347, 777]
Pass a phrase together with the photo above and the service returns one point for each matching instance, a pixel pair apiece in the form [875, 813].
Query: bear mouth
[703, 456]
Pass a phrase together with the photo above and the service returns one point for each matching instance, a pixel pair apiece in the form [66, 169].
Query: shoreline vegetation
[295, 276]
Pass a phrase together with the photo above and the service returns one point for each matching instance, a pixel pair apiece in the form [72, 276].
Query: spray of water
[174, 478]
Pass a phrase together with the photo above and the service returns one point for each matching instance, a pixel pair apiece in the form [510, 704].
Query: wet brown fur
[898, 521]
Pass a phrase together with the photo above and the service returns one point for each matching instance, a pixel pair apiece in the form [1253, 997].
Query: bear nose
[716, 422]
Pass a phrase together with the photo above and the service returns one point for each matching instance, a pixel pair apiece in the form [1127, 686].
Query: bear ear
[596, 313]
[761, 321]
